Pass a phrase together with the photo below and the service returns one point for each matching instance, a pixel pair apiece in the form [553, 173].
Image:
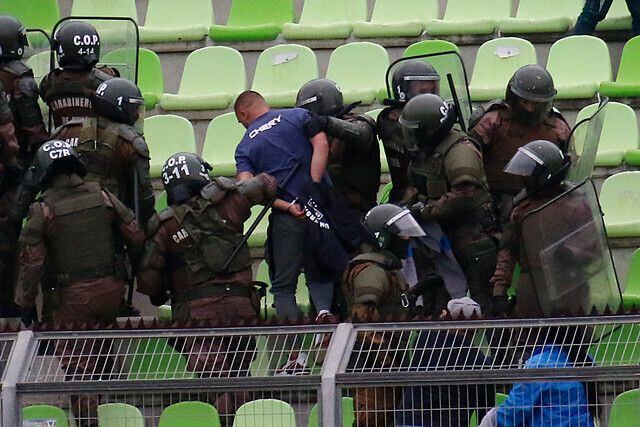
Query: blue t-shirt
[274, 143]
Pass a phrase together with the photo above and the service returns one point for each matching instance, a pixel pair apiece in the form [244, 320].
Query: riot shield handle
[261, 215]
[456, 102]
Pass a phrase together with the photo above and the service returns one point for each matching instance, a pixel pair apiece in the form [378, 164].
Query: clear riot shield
[565, 246]
[38, 57]
[119, 40]
[446, 64]
[586, 138]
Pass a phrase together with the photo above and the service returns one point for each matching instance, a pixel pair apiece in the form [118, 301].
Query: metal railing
[446, 372]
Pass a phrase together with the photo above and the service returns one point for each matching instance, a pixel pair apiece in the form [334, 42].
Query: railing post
[330, 416]
[10, 406]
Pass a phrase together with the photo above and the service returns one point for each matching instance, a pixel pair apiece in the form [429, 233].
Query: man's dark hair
[247, 99]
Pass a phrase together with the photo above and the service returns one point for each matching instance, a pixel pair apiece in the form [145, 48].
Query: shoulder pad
[380, 259]
[557, 114]
[479, 112]
[76, 121]
[157, 219]
[96, 77]
[127, 132]
[217, 188]
[141, 147]
[364, 118]
[17, 67]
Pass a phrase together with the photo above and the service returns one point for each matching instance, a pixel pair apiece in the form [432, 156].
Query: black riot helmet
[534, 84]
[406, 75]
[392, 226]
[183, 176]
[426, 120]
[541, 164]
[55, 157]
[13, 38]
[119, 100]
[321, 97]
[77, 45]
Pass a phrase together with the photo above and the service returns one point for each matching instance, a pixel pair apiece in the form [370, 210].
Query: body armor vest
[390, 298]
[426, 172]
[359, 173]
[97, 148]
[67, 93]
[208, 241]
[510, 136]
[81, 244]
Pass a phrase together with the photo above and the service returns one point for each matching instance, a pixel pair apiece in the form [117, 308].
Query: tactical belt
[222, 289]
[119, 272]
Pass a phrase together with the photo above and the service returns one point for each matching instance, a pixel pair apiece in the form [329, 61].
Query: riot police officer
[376, 291]
[74, 230]
[503, 127]
[18, 83]
[542, 166]
[67, 89]
[354, 159]
[189, 244]
[446, 177]
[412, 78]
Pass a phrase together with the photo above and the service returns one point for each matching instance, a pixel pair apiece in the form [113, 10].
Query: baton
[261, 215]
[136, 211]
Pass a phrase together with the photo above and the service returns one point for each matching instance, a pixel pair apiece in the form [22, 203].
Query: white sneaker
[297, 365]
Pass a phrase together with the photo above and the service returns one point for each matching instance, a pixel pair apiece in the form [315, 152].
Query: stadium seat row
[192, 20]
[213, 76]
[183, 414]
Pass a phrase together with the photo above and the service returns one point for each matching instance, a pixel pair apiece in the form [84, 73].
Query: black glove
[501, 305]
[159, 299]
[28, 316]
[416, 210]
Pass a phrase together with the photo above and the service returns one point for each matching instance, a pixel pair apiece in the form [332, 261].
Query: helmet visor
[404, 225]
[134, 108]
[523, 163]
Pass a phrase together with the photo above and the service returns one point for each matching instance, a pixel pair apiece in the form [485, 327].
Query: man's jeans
[286, 257]
[595, 11]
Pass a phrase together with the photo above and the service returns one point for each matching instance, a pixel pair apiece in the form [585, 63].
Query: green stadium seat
[348, 414]
[175, 21]
[326, 19]
[251, 20]
[383, 157]
[150, 78]
[114, 8]
[397, 18]
[212, 78]
[161, 201]
[469, 17]
[155, 359]
[362, 87]
[542, 16]
[165, 136]
[631, 294]
[619, 133]
[42, 14]
[620, 202]
[265, 412]
[496, 61]
[578, 65]
[119, 415]
[281, 71]
[426, 47]
[627, 83]
[625, 410]
[46, 413]
[617, 19]
[259, 235]
[189, 414]
[615, 345]
[220, 142]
